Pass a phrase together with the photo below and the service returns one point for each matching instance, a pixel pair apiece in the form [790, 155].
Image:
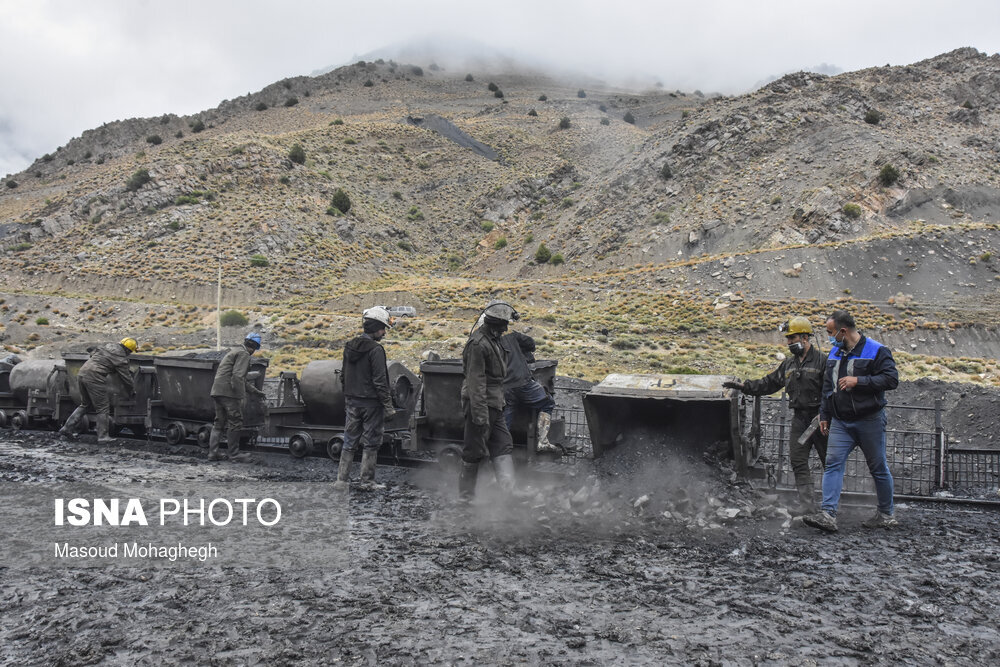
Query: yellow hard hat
[797, 325]
[129, 344]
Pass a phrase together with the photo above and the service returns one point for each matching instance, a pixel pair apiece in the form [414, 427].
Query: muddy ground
[587, 570]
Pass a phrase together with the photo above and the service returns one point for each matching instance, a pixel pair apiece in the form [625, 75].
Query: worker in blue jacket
[858, 372]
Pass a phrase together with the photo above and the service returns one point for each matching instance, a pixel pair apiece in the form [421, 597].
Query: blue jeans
[531, 395]
[869, 435]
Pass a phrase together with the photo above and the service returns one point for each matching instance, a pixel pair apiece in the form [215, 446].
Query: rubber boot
[467, 478]
[213, 445]
[103, 423]
[343, 482]
[368, 458]
[233, 438]
[807, 500]
[504, 468]
[544, 423]
[73, 423]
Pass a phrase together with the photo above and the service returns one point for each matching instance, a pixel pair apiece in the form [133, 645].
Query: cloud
[71, 66]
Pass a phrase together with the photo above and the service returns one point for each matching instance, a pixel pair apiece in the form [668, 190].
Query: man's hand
[389, 414]
[733, 385]
[824, 428]
[847, 383]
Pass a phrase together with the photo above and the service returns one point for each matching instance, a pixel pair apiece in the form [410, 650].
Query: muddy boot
[503, 466]
[807, 500]
[213, 445]
[73, 423]
[103, 424]
[368, 457]
[233, 440]
[822, 520]
[343, 482]
[544, 422]
[467, 478]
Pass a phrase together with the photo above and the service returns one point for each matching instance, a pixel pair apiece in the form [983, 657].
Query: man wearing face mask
[484, 365]
[858, 372]
[801, 375]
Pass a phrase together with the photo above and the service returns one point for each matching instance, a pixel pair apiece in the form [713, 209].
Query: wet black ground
[583, 572]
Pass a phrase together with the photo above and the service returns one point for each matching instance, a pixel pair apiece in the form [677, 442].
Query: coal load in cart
[128, 411]
[185, 406]
[439, 426]
[635, 418]
[310, 411]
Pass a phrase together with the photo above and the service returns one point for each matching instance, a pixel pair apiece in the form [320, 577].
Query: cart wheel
[19, 420]
[204, 435]
[300, 444]
[175, 433]
[3, 419]
[450, 459]
[334, 447]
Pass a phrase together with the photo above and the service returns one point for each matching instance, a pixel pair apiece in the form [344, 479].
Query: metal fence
[919, 457]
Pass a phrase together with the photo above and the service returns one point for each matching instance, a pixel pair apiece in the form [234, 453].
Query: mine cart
[310, 410]
[185, 406]
[39, 387]
[439, 424]
[658, 415]
[8, 404]
[127, 411]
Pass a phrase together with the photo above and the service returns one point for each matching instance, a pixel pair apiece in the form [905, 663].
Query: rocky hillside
[661, 213]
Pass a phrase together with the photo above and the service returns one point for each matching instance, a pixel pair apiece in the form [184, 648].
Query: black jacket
[484, 365]
[365, 374]
[802, 380]
[520, 350]
[873, 365]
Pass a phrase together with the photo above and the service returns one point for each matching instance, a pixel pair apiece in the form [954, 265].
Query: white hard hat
[501, 311]
[379, 314]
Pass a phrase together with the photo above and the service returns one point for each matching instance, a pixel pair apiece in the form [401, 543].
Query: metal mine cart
[127, 411]
[39, 385]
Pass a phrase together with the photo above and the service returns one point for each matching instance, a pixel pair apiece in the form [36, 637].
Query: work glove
[388, 414]
[733, 385]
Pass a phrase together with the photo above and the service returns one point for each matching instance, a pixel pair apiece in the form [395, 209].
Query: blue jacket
[873, 365]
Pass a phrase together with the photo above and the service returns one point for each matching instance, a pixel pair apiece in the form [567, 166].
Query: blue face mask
[833, 341]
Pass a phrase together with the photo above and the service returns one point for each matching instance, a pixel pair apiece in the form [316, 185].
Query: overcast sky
[70, 65]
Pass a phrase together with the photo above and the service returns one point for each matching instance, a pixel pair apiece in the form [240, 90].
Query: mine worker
[801, 375]
[365, 378]
[858, 373]
[521, 388]
[484, 366]
[229, 391]
[106, 362]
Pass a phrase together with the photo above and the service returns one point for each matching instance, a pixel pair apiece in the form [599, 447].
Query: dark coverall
[229, 390]
[484, 365]
[367, 396]
[803, 380]
[519, 386]
[111, 359]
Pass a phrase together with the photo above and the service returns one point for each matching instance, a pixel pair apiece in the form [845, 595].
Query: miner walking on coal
[229, 392]
[484, 365]
[365, 378]
[95, 374]
[521, 388]
[858, 372]
[801, 375]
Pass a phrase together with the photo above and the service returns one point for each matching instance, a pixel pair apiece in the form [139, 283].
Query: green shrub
[665, 172]
[404, 245]
[542, 98]
[297, 154]
[154, 139]
[291, 101]
[179, 135]
[174, 225]
[417, 71]
[42, 321]
[261, 106]
[564, 123]
[258, 260]
[566, 203]
[233, 318]
[498, 94]
[852, 211]
[776, 199]
[486, 226]
[629, 118]
[532, 112]
[529, 238]
[349, 141]
[501, 243]
[137, 180]
[624, 344]
[888, 175]
[543, 254]
[414, 214]
[492, 87]
[661, 218]
[285, 180]
[197, 126]
[11, 183]
[581, 93]
[21, 247]
[186, 199]
[605, 121]
[454, 262]
[334, 211]
[468, 77]
[368, 83]
[341, 200]
[872, 117]
[557, 259]
[397, 195]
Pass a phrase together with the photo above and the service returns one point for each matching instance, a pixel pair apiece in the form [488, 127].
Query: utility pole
[218, 309]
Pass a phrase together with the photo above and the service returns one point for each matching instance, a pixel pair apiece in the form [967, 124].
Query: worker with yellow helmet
[106, 362]
[801, 375]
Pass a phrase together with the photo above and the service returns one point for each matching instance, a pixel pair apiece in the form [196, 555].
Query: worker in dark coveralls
[484, 366]
[368, 400]
[521, 388]
[105, 362]
[801, 375]
[229, 392]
